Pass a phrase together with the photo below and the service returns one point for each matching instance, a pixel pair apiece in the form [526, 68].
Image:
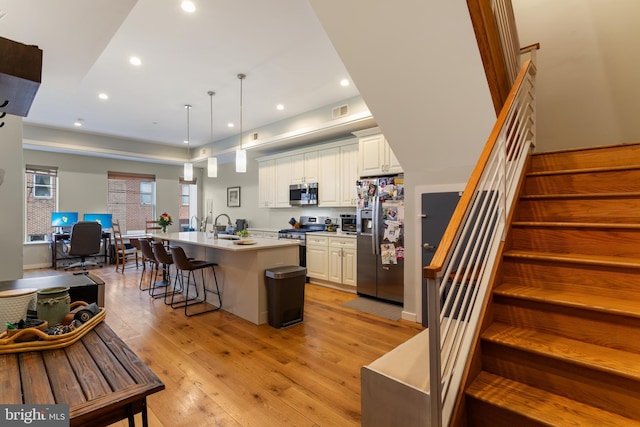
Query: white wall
[587, 85]
[11, 198]
[417, 66]
[84, 187]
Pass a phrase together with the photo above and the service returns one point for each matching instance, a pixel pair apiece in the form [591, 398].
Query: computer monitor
[104, 219]
[63, 221]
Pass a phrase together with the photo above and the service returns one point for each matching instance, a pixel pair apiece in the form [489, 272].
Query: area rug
[377, 308]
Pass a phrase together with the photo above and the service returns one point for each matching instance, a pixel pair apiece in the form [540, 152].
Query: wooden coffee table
[99, 377]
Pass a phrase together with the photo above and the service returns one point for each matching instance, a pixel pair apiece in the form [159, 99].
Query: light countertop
[206, 239]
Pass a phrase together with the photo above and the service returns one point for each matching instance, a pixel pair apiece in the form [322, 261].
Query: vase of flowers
[164, 221]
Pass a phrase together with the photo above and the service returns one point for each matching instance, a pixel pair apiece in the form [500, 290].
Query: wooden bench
[99, 377]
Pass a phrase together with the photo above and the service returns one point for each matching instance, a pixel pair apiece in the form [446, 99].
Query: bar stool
[164, 258]
[148, 258]
[184, 264]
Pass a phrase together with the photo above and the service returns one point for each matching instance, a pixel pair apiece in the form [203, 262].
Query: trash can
[285, 295]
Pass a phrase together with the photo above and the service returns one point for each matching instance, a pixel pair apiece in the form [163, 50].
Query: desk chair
[123, 253]
[85, 240]
[189, 266]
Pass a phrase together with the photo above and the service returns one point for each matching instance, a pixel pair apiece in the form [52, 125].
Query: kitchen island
[241, 267]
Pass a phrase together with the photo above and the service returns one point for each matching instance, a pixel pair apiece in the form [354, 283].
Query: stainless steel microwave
[303, 194]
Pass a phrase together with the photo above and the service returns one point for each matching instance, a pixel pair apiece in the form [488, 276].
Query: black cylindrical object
[285, 295]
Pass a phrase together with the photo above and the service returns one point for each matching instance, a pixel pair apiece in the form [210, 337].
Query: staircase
[563, 344]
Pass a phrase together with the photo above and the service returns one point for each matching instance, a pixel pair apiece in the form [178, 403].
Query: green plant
[243, 233]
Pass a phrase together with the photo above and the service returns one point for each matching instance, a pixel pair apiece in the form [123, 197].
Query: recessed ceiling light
[344, 82]
[280, 107]
[185, 141]
[78, 122]
[188, 6]
[229, 125]
[134, 60]
[103, 96]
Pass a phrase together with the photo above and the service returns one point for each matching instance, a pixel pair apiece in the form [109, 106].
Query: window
[132, 199]
[41, 197]
[188, 204]
[146, 193]
[42, 186]
[184, 196]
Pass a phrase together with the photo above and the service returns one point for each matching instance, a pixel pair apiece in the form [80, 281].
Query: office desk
[57, 237]
[99, 377]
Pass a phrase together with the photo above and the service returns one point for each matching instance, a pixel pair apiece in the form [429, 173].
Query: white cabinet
[334, 167]
[317, 256]
[329, 177]
[376, 157]
[304, 168]
[338, 172]
[273, 183]
[282, 181]
[266, 178]
[343, 260]
[349, 174]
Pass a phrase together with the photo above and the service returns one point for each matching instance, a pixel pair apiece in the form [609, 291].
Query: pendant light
[241, 155]
[188, 166]
[212, 162]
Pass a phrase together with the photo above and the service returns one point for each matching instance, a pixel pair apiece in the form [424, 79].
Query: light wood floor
[220, 370]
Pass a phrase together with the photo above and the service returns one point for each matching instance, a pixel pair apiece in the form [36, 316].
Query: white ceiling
[278, 44]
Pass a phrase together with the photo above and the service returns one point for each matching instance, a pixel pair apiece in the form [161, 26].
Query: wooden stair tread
[583, 170]
[605, 359]
[539, 405]
[605, 304]
[626, 195]
[562, 224]
[597, 260]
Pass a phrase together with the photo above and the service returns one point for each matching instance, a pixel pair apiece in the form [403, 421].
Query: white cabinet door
[304, 168]
[317, 262]
[266, 177]
[376, 157]
[349, 267]
[371, 155]
[349, 174]
[282, 182]
[329, 177]
[335, 264]
[393, 165]
[317, 256]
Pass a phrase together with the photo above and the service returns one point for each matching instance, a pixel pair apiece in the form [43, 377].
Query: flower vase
[164, 230]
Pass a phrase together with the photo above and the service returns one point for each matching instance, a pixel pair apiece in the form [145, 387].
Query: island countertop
[206, 239]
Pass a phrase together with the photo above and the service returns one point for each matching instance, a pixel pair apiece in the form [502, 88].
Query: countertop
[206, 239]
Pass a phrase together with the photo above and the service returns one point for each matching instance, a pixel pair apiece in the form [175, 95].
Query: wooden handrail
[437, 263]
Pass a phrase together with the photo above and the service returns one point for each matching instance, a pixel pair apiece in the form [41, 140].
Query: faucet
[215, 224]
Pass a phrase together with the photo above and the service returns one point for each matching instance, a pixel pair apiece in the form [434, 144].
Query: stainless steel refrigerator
[380, 237]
